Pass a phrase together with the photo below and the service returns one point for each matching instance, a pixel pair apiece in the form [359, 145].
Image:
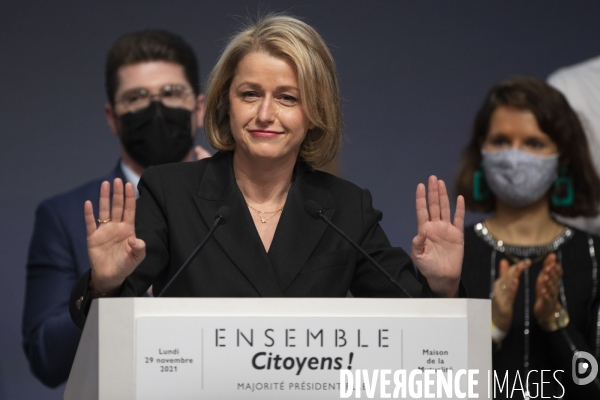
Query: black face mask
[157, 134]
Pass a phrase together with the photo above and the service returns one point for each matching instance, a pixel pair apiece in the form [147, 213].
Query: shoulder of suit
[74, 198]
[330, 181]
[178, 170]
[184, 171]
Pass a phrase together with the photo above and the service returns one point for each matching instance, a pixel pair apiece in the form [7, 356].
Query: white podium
[279, 348]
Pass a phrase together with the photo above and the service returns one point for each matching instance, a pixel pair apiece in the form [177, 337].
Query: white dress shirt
[131, 176]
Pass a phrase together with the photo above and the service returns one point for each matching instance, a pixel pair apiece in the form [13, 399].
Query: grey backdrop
[412, 75]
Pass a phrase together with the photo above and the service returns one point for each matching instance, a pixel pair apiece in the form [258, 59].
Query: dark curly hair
[556, 119]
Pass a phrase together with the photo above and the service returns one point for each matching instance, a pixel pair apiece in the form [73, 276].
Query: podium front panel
[282, 348]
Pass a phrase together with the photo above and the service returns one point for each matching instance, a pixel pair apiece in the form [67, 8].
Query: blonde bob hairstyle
[288, 38]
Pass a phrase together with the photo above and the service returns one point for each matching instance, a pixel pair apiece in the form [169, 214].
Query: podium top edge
[309, 307]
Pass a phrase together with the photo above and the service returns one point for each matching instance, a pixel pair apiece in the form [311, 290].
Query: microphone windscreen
[312, 208]
[223, 212]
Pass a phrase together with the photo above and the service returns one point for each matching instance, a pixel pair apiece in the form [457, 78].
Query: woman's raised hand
[505, 291]
[438, 248]
[113, 249]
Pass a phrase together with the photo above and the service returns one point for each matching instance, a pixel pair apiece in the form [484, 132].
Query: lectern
[281, 348]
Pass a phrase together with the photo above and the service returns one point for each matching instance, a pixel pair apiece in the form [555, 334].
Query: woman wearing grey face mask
[528, 161]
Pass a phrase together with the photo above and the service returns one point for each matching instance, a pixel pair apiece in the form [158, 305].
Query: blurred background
[412, 76]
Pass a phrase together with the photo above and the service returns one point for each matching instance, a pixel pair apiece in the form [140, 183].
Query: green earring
[563, 193]
[481, 192]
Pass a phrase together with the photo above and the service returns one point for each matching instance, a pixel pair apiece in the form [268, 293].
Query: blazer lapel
[298, 234]
[238, 237]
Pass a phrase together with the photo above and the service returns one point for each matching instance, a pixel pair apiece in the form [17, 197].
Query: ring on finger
[103, 221]
[503, 286]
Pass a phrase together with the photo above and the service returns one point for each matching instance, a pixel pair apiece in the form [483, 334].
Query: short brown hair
[556, 119]
[145, 46]
[293, 40]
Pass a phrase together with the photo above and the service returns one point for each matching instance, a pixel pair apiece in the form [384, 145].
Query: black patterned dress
[527, 349]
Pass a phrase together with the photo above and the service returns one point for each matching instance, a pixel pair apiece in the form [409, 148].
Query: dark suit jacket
[177, 206]
[57, 258]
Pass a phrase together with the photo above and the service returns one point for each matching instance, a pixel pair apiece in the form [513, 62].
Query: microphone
[221, 218]
[315, 211]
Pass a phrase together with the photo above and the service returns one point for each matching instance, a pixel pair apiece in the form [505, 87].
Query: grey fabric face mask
[519, 178]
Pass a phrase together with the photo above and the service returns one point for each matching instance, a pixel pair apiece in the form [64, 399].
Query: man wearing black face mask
[155, 108]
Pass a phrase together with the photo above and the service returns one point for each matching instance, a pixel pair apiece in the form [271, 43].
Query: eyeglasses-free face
[513, 128]
[266, 116]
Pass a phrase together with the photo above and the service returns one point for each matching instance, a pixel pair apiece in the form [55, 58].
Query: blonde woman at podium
[273, 114]
[527, 161]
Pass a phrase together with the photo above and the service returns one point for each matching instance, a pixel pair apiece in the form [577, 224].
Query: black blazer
[177, 206]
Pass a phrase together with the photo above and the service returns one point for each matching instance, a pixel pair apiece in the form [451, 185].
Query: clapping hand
[113, 248]
[438, 248]
[505, 290]
[547, 288]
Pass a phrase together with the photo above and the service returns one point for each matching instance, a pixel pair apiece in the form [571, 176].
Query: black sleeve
[565, 342]
[79, 303]
[370, 282]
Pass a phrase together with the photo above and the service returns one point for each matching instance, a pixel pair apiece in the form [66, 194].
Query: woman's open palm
[438, 248]
[113, 248]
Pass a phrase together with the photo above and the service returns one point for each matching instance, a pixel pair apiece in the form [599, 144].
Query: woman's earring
[563, 192]
[481, 192]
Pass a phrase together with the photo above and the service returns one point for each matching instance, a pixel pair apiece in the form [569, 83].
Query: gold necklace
[265, 219]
